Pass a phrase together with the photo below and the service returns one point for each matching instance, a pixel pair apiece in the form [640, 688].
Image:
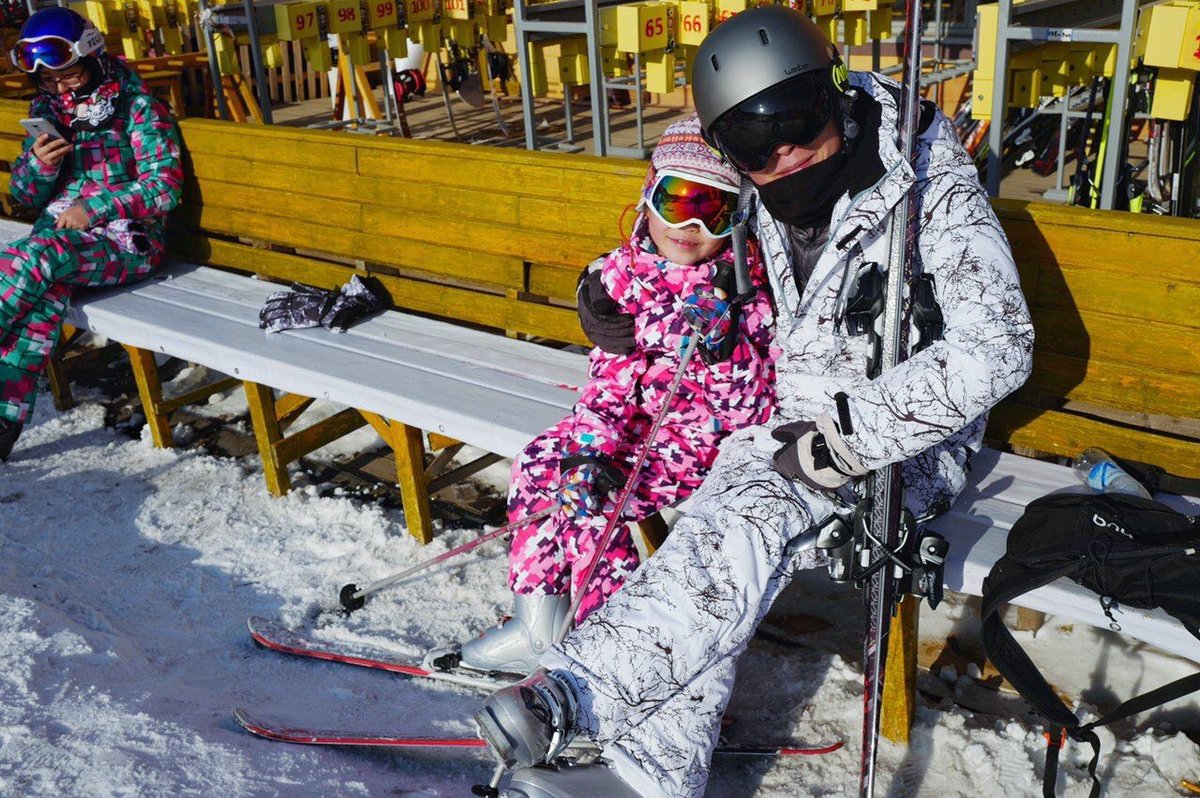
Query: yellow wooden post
[900, 679]
[60, 384]
[261, 399]
[145, 374]
[409, 447]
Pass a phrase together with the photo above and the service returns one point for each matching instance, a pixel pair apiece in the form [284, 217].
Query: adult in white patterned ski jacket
[653, 669]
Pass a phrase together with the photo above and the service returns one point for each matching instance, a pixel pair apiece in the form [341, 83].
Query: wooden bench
[475, 235]
[495, 238]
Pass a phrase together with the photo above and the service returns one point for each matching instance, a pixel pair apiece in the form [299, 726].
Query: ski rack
[1065, 21]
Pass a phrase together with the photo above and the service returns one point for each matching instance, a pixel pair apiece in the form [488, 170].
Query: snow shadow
[127, 576]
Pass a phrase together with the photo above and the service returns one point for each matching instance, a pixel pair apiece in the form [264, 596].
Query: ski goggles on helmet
[792, 112]
[54, 52]
[679, 201]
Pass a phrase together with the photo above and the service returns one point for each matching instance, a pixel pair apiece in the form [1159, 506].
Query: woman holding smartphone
[103, 185]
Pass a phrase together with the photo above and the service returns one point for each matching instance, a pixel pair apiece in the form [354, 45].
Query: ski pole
[352, 597]
[630, 484]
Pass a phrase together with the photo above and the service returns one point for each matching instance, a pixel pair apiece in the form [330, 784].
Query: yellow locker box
[108, 19]
[396, 42]
[854, 26]
[828, 25]
[419, 11]
[465, 32]
[981, 97]
[645, 27]
[272, 52]
[356, 46]
[1172, 93]
[345, 17]
[383, 13]
[695, 20]
[538, 79]
[223, 49]
[1104, 61]
[496, 28]
[573, 69]
[458, 9]
[660, 72]
[727, 8]
[879, 24]
[1025, 88]
[1163, 29]
[1080, 64]
[850, 6]
[1189, 55]
[318, 54]
[615, 64]
[987, 27]
[296, 21]
[151, 14]
[823, 8]
[608, 26]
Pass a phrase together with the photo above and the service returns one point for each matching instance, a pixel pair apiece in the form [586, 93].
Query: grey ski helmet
[753, 51]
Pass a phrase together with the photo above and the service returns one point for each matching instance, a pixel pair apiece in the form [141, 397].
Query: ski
[883, 526]
[314, 736]
[302, 643]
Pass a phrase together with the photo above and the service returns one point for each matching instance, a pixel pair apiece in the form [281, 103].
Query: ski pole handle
[454, 552]
[741, 267]
[627, 490]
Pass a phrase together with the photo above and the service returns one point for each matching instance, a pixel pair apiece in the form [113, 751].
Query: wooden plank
[461, 203]
[261, 400]
[1066, 435]
[561, 247]
[554, 281]
[200, 394]
[550, 175]
[313, 149]
[1147, 297]
[283, 207]
[595, 219]
[250, 223]
[410, 475]
[1117, 385]
[314, 436]
[1117, 339]
[1046, 214]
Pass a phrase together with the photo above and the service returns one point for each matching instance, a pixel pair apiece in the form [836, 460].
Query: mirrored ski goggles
[51, 52]
[680, 201]
[792, 112]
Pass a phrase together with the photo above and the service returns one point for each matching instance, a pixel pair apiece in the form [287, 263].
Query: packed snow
[128, 574]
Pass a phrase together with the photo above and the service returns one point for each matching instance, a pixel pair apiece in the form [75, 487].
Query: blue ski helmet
[55, 38]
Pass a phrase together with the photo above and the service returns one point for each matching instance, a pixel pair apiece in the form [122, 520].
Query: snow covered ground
[128, 572]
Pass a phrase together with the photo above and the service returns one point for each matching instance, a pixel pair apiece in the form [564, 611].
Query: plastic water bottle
[1096, 469]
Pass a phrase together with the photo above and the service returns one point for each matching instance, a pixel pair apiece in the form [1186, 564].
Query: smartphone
[37, 126]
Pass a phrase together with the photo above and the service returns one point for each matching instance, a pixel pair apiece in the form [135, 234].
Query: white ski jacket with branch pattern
[942, 394]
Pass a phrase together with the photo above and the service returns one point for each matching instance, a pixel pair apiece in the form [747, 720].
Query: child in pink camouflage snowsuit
[581, 463]
[103, 192]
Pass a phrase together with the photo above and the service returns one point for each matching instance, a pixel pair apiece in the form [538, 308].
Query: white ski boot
[531, 722]
[515, 646]
[596, 780]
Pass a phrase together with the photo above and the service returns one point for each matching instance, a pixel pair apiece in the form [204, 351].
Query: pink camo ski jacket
[625, 392]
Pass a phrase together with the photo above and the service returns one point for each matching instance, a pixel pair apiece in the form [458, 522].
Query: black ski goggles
[792, 112]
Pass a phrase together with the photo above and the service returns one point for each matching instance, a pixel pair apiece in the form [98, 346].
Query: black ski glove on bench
[306, 306]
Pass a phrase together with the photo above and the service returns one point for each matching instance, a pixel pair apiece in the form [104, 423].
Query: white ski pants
[654, 667]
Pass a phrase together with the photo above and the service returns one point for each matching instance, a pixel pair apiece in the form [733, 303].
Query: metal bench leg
[409, 446]
[900, 680]
[261, 399]
[145, 374]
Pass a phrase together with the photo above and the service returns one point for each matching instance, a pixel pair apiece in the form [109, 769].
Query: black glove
[585, 481]
[600, 317]
[814, 453]
[306, 306]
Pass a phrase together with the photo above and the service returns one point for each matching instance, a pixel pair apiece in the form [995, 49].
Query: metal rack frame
[1050, 21]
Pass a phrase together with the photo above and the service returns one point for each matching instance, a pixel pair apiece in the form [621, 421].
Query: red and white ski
[303, 643]
[311, 736]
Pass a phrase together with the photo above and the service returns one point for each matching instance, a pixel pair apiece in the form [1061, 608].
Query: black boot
[9, 432]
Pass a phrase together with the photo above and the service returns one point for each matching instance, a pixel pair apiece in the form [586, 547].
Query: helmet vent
[716, 64]
[762, 34]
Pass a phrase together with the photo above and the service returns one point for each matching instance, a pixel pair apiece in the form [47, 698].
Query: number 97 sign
[693, 22]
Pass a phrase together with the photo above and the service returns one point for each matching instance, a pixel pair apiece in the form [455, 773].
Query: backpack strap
[1007, 581]
[1155, 479]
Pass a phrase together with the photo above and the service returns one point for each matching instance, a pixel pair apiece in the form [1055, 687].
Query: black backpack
[1130, 551]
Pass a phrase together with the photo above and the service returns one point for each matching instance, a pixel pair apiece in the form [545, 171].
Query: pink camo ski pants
[546, 556]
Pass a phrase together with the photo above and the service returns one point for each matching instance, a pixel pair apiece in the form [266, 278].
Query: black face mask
[806, 198]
